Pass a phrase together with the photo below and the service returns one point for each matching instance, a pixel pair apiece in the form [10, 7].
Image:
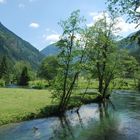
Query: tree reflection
[103, 127]
[64, 130]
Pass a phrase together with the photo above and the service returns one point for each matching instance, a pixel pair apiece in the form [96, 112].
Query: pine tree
[24, 78]
[3, 67]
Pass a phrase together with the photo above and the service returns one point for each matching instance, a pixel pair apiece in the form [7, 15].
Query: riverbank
[110, 120]
[17, 104]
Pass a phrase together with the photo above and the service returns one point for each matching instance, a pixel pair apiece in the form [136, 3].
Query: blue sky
[36, 21]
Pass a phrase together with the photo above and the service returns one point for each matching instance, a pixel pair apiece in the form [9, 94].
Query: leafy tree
[130, 66]
[131, 8]
[48, 68]
[69, 58]
[24, 77]
[129, 69]
[18, 67]
[5, 69]
[103, 54]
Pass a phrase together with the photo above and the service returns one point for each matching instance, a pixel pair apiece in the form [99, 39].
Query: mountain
[50, 50]
[17, 49]
[132, 44]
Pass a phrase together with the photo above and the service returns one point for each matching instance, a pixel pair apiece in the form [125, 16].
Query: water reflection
[65, 129]
[100, 120]
[115, 119]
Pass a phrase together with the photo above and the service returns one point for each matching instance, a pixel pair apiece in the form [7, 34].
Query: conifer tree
[24, 78]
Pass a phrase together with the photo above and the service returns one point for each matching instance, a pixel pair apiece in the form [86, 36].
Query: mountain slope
[50, 50]
[132, 44]
[17, 49]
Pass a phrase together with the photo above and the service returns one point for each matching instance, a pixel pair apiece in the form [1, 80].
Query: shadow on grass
[52, 110]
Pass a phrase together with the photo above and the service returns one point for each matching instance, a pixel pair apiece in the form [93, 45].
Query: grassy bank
[17, 104]
[24, 104]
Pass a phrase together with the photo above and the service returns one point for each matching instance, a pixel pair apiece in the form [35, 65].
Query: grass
[118, 84]
[18, 104]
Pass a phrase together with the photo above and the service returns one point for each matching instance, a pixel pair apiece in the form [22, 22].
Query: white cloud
[2, 1]
[52, 38]
[121, 23]
[138, 9]
[126, 27]
[21, 5]
[96, 16]
[34, 25]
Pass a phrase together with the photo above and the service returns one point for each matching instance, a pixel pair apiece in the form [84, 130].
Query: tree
[5, 69]
[24, 77]
[131, 8]
[103, 54]
[69, 58]
[132, 68]
[18, 68]
[48, 68]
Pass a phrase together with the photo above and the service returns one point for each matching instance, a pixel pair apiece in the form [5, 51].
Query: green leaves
[48, 68]
[127, 7]
[24, 77]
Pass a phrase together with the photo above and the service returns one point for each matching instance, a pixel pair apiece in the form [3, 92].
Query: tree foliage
[131, 8]
[24, 77]
[70, 59]
[102, 52]
[48, 68]
[5, 69]
[18, 68]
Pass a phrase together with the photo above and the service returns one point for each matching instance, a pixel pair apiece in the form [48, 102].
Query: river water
[117, 119]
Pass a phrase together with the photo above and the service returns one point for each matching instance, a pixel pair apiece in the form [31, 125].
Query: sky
[36, 21]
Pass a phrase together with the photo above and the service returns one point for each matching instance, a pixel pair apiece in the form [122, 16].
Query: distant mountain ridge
[50, 50]
[17, 49]
[132, 44]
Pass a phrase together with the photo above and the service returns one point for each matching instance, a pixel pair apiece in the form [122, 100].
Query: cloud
[126, 27]
[2, 1]
[52, 38]
[121, 23]
[138, 9]
[21, 5]
[34, 25]
[97, 16]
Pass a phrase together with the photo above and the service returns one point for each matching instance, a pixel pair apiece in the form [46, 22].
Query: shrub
[2, 83]
[38, 84]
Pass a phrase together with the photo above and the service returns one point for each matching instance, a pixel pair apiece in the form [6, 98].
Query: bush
[38, 84]
[2, 83]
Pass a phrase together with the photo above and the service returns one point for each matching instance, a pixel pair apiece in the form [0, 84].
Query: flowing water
[117, 119]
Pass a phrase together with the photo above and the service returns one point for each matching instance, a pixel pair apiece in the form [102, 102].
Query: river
[116, 119]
